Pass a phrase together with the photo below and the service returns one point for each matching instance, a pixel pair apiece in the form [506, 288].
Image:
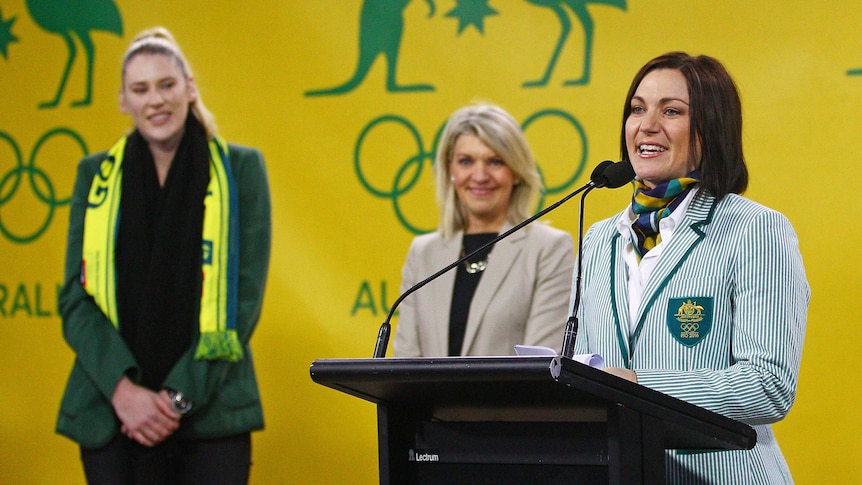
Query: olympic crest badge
[689, 320]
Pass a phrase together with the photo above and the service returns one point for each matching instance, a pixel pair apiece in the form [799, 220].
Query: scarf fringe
[223, 345]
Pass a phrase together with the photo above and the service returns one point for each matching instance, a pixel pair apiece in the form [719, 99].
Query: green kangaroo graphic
[579, 7]
[381, 24]
[78, 17]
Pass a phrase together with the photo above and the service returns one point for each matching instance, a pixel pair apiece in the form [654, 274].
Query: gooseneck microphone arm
[597, 179]
[614, 176]
[572, 323]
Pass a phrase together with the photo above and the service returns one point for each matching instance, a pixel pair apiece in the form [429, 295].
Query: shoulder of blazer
[605, 228]
[542, 236]
[537, 231]
[431, 250]
[429, 240]
[705, 209]
[92, 161]
[243, 158]
[242, 151]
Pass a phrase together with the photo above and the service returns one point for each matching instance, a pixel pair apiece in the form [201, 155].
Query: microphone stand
[614, 176]
[386, 328]
[571, 332]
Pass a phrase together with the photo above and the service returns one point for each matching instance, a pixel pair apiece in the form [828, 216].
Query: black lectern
[514, 420]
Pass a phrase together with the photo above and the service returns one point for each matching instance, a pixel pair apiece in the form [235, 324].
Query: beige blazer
[522, 297]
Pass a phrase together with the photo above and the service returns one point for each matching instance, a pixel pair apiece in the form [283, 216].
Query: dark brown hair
[716, 120]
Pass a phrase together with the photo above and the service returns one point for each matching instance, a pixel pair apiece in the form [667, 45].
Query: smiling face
[483, 184]
[157, 95]
[657, 130]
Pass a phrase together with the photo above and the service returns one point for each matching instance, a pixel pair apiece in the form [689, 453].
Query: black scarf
[159, 251]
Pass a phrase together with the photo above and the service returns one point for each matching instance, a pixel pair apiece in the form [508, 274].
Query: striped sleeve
[768, 300]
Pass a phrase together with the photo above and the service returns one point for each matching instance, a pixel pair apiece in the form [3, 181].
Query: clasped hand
[146, 416]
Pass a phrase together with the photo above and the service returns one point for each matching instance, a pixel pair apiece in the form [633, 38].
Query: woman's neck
[480, 227]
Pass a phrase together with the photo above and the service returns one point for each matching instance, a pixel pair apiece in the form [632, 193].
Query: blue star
[471, 12]
[6, 35]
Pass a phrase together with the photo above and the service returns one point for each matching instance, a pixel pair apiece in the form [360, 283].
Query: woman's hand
[146, 416]
[626, 374]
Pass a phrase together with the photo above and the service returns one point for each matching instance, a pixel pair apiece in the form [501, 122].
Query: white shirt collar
[666, 226]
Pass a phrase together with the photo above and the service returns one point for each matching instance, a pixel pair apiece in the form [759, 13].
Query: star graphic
[471, 12]
[6, 35]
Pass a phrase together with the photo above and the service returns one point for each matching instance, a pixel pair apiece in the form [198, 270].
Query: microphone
[613, 176]
[598, 178]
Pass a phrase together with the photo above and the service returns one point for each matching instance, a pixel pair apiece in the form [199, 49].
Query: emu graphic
[579, 7]
[381, 24]
[78, 17]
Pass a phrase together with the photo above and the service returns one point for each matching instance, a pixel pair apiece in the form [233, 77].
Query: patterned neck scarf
[652, 205]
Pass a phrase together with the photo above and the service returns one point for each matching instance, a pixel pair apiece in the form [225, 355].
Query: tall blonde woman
[515, 293]
[167, 256]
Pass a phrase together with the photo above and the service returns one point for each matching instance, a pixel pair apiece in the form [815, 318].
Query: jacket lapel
[686, 237]
[499, 265]
[441, 292]
[620, 291]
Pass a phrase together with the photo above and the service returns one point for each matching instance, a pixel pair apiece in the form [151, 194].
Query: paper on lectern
[592, 360]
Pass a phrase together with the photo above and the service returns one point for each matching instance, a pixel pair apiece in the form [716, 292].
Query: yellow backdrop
[349, 168]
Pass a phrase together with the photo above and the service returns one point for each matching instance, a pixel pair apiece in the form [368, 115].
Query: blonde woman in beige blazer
[515, 294]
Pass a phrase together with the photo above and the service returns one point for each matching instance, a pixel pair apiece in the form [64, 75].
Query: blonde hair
[500, 132]
[158, 40]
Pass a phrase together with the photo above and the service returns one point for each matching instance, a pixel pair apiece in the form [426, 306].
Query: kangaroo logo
[381, 26]
[78, 17]
[381, 23]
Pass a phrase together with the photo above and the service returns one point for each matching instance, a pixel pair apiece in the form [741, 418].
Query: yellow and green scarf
[220, 241]
[651, 205]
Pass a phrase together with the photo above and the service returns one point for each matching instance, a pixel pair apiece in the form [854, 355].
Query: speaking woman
[694, 290]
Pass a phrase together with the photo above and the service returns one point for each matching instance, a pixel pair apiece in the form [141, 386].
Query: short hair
[501, 133]
[716, 120]
[158, 40]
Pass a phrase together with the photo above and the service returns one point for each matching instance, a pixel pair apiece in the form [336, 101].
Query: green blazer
[225, 395]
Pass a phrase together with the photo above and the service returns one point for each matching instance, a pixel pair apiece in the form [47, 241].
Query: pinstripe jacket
[721, 325]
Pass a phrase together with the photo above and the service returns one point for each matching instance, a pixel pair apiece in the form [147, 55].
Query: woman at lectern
[694, 290]
[513, 293]
[166, 261]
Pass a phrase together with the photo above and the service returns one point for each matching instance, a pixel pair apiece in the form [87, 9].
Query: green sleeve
[99, 348]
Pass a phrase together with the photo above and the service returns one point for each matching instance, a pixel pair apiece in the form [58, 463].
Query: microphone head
[597, 176]
[614, 175]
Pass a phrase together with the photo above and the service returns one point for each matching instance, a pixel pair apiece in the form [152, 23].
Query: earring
[451, 178]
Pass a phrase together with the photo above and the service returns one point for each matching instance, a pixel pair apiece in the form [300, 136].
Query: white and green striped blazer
[721, 326]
